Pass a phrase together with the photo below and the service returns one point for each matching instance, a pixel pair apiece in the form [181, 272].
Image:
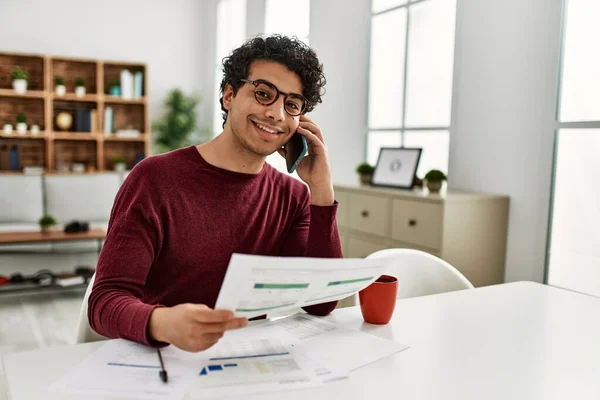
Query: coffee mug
[378, 300]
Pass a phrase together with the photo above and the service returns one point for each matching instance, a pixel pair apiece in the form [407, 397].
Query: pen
[163, 372]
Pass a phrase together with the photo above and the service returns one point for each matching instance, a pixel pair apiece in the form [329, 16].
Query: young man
[179, 216]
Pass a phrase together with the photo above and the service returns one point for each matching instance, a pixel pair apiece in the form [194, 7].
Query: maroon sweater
[174, 225]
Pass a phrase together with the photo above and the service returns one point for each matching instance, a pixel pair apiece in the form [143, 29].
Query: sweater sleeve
[115, 308]
[315, 234]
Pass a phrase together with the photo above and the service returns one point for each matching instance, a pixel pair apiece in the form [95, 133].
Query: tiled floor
[38, 321]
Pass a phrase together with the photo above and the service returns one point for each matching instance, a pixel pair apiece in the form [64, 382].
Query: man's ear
[227, 96]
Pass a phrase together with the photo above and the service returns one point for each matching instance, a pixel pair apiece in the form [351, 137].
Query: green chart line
[280, 285]
[349, 281]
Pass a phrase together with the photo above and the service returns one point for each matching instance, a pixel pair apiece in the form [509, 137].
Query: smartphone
[295, 149]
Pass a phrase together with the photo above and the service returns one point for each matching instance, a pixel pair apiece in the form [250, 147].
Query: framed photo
[396, 167]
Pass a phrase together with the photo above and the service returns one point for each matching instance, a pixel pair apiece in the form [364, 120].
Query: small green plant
[46, 221]
[21, 118]
[59, 81]
[177, 127]
[365, 168]
[19, 73]
[119, 160]
[79, 82]
[435, 175]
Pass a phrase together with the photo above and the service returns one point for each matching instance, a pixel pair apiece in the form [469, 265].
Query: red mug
[378, 300]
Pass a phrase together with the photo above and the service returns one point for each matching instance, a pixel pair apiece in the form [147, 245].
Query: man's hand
[314, 169]
[192, 327]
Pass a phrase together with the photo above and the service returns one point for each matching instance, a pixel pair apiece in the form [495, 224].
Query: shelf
[115, 138]
[117, 100]
[72, 97]
[30, 94]
[75, 136]
[13, 135]
[34, 288]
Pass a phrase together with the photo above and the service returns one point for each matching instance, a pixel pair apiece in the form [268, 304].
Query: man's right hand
[192, 327]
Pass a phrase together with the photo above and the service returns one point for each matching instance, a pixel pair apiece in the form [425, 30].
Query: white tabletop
[514, 341]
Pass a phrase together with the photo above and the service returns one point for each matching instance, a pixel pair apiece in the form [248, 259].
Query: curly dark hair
[291, 52]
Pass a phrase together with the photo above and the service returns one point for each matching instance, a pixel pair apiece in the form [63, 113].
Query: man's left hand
[314, 168]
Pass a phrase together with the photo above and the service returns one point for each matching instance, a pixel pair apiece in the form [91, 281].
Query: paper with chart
[254, 364]
[121, 368]
[240, 364]
[257, 285]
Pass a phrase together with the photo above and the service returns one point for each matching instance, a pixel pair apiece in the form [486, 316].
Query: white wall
[344, 52]
[169, 36]
[505, 91]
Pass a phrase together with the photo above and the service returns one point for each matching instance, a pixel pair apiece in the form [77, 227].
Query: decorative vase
[7, 129]
[21, 128]
[64, 121]
[120, 167]
[80, 91]
[20, 86]
[434, 186]
[115, 90]
[47, 228]
[365, 179]
[61, 90]
[35, 129]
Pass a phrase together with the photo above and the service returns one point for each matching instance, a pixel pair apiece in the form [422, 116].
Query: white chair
[85, 333]
[419, 274]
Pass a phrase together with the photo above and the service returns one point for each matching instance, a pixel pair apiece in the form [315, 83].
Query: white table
[514, 341]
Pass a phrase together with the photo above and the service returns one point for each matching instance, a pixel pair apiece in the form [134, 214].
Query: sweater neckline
[225, 172]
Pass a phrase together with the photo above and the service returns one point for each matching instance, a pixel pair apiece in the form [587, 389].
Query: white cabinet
[466, 229]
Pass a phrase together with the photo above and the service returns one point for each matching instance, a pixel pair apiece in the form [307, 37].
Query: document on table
[121, 368]
[343, 348]
[257, 285]
[240, 365]
[256, 364]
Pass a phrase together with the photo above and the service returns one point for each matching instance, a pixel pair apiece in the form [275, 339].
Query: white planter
[20, 86]
[61, 90]
[35, 129]
[21, 128]
[80, 91]
[120, 167]
[7, 129]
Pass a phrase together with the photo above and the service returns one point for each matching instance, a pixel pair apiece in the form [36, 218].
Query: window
[279, 19]
[410, 78]
[231, 32]
[573, 252]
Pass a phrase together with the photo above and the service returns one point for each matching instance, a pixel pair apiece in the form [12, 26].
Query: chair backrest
[85, 333]
[420, 273]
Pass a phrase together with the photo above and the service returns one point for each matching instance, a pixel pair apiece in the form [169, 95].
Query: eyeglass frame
[257, 82]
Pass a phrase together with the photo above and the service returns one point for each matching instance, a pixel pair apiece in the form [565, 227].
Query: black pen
[163, 372]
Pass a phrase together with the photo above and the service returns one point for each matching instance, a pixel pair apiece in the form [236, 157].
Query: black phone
[296, 148]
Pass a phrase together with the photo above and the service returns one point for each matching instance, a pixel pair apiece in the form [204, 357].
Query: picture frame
[396, 167]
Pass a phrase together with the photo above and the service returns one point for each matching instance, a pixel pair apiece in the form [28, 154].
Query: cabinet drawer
[369, 214]
[361, 247]
[342, 211]
[418, 223]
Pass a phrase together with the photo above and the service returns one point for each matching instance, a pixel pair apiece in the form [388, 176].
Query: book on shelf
[138, 85]
[128, 133]
[94, 120]
[109, 120]
[126, 84]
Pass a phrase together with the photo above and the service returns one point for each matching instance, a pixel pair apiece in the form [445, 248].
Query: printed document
[257, 285]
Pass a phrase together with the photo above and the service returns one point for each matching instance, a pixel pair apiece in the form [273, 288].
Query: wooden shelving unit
[52, 148]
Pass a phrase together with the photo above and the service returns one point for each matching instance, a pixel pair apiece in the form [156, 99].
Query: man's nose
[276, 111]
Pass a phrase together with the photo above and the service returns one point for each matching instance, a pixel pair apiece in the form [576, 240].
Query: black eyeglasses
[266, 94]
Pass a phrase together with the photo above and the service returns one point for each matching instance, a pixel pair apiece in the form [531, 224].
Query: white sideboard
[468, 230]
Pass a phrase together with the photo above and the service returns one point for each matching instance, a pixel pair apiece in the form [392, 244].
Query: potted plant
[21, 124]
[34, 129]
[79, 87]
[365, 172]
[59, 82]
[114, 87]
[435, 178]
[19, 78]
[173, 130]
[47, 222]
[119, 163]
[7, 128]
